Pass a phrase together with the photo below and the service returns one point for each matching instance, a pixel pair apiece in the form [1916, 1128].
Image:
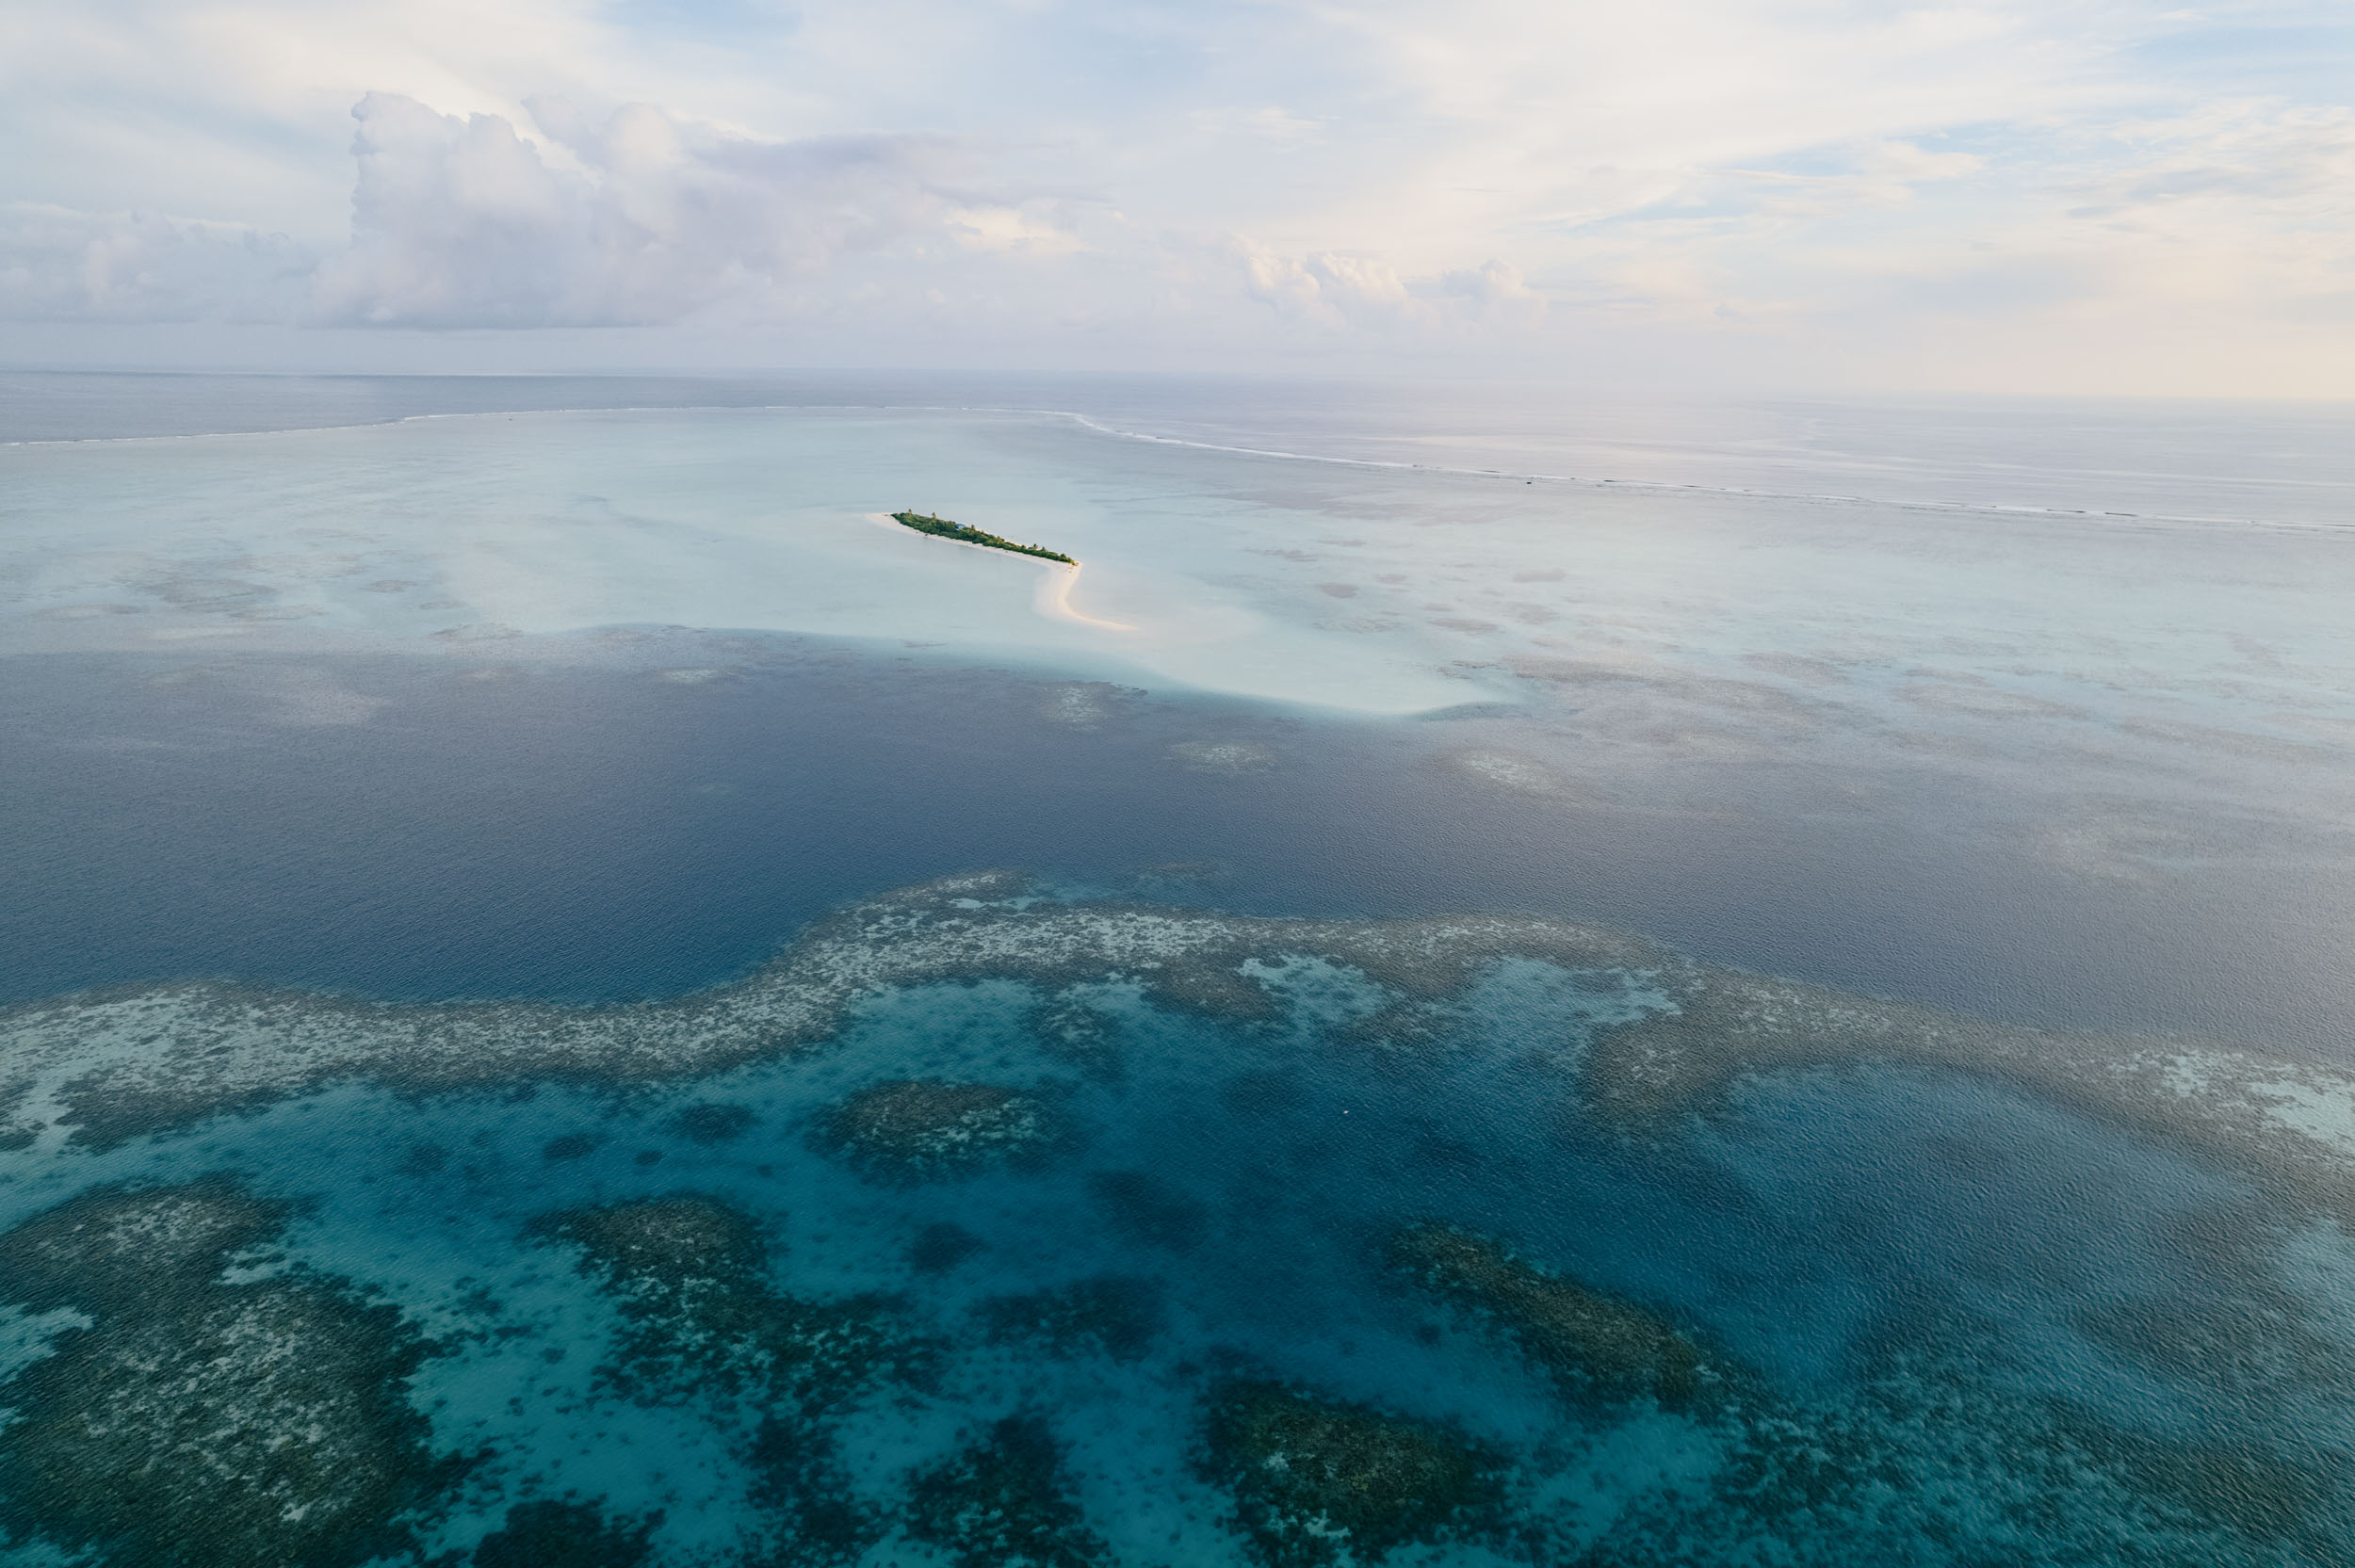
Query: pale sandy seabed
[2162, 694]
[1358, 589]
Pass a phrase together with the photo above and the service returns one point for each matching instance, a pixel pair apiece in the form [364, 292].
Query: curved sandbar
[1053, 598]
[101, 1068]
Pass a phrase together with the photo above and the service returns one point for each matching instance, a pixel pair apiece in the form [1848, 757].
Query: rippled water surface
[575, 1000]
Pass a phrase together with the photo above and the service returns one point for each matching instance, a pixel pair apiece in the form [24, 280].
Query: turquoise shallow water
[1353, 1231]
[1850, 1241]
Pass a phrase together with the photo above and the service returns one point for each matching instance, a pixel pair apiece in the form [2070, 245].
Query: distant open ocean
[1575, 981]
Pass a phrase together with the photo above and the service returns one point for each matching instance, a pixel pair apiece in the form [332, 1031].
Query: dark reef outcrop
[1113, 1314]
[1597, 1347]
[924, 1130]
[1085, 1038]
[713, 1124]
[701, 1320]
[1319, 1481]
[1004, 1501]
[804, 1491]
[550, 1534]
[1145, 1209]
[196, 1421]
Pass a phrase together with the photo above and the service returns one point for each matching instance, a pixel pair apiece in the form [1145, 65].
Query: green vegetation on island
[924, 522]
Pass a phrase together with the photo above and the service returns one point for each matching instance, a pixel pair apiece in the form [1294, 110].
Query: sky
[2105, 197]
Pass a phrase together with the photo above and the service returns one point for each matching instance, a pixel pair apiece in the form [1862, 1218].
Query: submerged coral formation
[1084, 1037]
[1594, 1347]
[1319, 1481]
[1113, 1314]
[701, 1321]
[921, 1129]
[549, 1534]
[196, 1421]
[804, 1492]
[2151, 1372]
[1005, 1502]
[114, 1066]
[1145, 1208]
[109, 1067]
[1930, 1449]
[117, 1249]
[942, 1246]
[712, 1124]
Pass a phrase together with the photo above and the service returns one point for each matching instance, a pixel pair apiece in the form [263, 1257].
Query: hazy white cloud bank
[2063, 194]
[59, 263]
[645, 220]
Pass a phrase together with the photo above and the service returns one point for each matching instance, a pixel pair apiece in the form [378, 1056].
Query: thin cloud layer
[464, 223]
[2066, 195]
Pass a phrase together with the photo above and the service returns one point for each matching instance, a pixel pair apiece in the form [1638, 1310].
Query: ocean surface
[1501, 976]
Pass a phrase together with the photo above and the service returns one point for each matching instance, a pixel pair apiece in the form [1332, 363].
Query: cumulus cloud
[59, 264]
[1016, 230]
[1322, 287]
[1336, 290]
[1493, 288]
[648, 220]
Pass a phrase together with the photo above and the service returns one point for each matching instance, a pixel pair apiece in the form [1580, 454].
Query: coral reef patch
[1113, 1314]
[1082, 1037]
[701, 1321]
[1596, 1348]
[708, 1123]
[108, 1067]
[941, 1246]
[196, 1421]
[1003, 1502]
[548, 1534]
[1820, 1309]
[114, 1066]
[804, 1493]
[1145, 1208]
[923, 1129]
[1319, 1481]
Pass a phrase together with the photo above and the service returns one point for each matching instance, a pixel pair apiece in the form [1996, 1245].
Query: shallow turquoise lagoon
[1856, 1313]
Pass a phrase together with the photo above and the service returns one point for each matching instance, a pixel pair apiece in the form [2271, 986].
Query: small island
[923, 523]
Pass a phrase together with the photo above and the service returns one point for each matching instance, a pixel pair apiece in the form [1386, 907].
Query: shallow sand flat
[1663, 616]
[453, 533]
